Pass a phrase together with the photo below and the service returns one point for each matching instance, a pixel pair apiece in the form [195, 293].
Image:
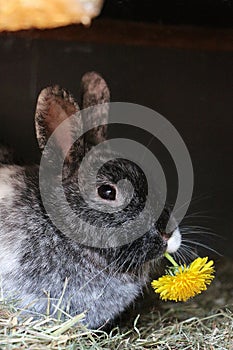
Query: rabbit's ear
[55, 105]
[94, 91]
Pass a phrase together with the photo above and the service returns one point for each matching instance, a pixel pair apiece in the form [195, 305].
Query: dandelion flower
[183, 282]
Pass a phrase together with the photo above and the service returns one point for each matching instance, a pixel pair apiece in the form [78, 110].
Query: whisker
[196, 227]
[194, 200]
[197, 215]
[100, 272]
[185, 252]
[180, 256]
[195, 243]
[202, 234]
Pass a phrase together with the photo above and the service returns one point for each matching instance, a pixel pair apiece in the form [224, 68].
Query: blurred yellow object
[25, 14]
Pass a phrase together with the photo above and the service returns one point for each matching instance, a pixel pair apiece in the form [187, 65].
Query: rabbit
[40, 264]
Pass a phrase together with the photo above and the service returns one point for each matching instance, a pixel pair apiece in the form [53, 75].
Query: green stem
[170, 258]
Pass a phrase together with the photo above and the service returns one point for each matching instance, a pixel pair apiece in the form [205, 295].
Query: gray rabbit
[39, 262]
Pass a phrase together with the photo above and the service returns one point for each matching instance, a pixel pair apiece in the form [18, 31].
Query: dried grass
[206, 322]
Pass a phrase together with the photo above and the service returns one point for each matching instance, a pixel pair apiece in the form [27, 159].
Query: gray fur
[36, 259]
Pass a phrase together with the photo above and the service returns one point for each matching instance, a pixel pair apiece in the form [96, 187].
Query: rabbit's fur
[40, 263]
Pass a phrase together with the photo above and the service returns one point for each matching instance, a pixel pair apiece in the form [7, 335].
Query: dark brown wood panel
[105, 31]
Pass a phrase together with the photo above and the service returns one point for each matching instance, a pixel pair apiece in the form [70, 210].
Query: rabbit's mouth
[172, 240]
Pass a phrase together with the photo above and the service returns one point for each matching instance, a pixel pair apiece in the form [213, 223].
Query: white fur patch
[6, 185]
[6, 191]
[174, 241]
[8, 261]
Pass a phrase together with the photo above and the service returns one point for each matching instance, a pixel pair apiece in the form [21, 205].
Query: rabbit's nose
[166, 235]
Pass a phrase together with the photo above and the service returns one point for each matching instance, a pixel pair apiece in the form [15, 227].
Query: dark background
[191, 87]
[214, 13]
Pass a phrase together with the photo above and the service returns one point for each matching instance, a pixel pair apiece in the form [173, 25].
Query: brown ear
[94, 92]
[55, 105]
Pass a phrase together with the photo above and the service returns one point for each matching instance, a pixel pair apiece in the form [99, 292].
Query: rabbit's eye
[107, 192]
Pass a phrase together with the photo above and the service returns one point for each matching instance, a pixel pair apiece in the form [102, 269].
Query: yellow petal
[187, 281]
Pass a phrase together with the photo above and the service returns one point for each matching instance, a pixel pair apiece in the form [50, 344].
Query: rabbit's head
[102, 207]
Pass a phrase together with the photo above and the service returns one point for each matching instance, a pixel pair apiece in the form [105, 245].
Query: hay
[211, 332]
[206, 322]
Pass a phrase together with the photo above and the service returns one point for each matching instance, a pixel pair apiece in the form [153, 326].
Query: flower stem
[170, 258]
